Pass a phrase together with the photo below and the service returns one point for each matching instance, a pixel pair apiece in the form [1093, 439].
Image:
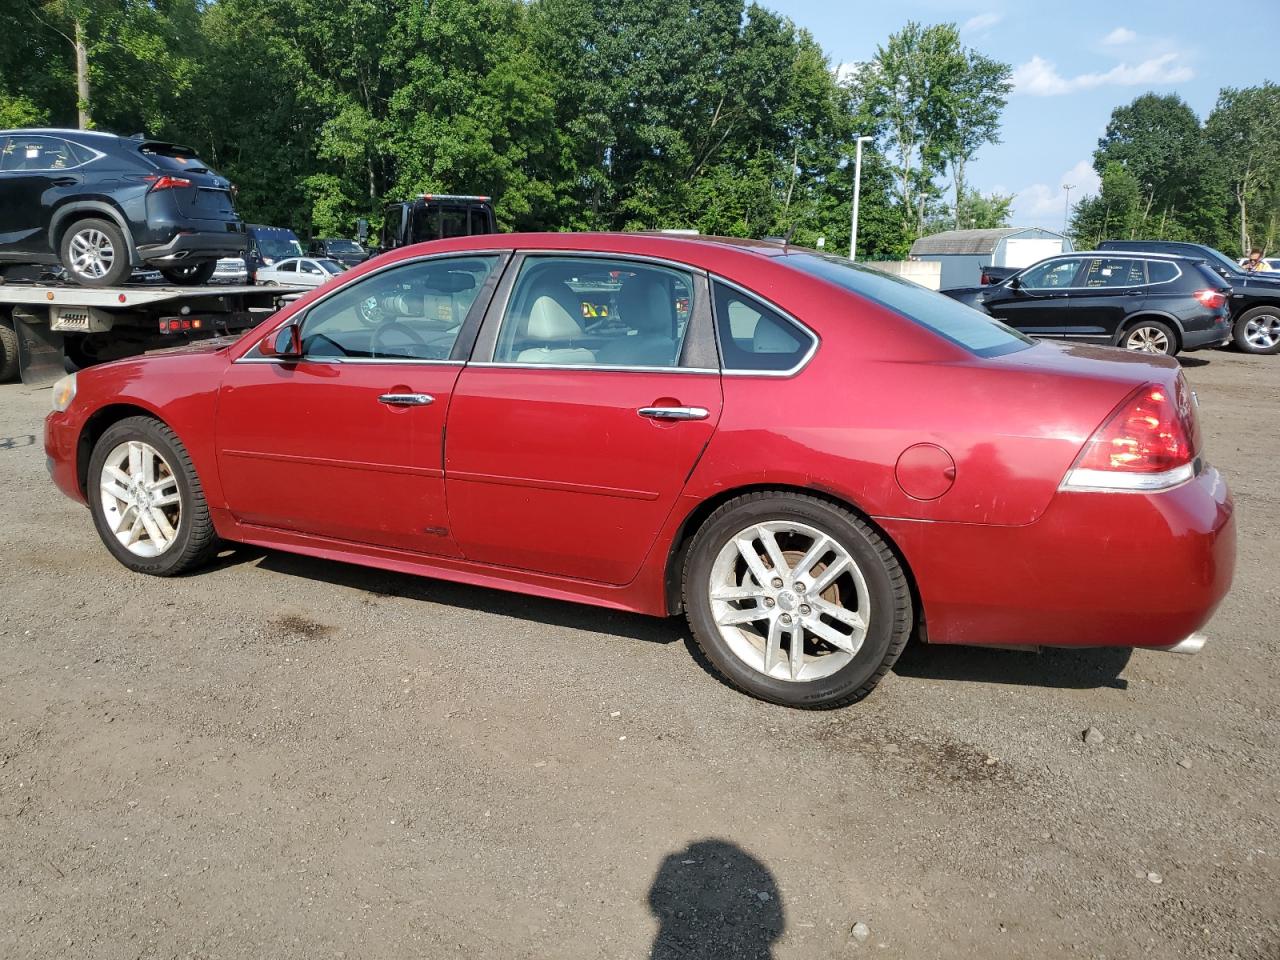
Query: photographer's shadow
[714, 901]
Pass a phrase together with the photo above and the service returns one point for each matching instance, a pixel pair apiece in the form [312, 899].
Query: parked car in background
[933, 467]
[1152, 303]
[100, 205]
[299, 272]
[268, 246]
[230, 270]
[435, 217]
[1255, 297]
[346, 252]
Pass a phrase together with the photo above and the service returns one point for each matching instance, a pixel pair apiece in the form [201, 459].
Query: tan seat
[550, 321]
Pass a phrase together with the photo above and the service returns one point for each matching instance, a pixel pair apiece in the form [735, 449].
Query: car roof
[1144, 254]
[64, 132]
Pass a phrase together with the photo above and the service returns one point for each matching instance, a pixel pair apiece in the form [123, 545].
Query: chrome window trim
[1120, 255]
[814, 339]
[378, 361]
[97, 154]
[686, 268]
[300, 315]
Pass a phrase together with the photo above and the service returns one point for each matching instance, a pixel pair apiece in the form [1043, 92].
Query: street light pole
[1066, 207]
[857, 196]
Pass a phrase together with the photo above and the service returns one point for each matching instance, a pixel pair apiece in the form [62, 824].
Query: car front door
[347, 442]
[1035, 300]
[571, 434]
[34, 171]
[1109, 289]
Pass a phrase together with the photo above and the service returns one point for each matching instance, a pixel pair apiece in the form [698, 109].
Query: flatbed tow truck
[48, 329]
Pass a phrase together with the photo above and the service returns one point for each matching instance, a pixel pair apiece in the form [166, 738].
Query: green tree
[1117, 212]
[1244, 131]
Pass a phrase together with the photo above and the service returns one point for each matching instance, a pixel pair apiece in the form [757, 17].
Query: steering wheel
[407, 334]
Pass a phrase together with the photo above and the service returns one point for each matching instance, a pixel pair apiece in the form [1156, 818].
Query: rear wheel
[1258, 330]
[94, 253]
[193, 275]
[147, 501]
[795, 600]
[1151, 336]
[8, 350]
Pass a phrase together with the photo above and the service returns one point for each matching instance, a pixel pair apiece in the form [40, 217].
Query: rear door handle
[406, 399]
[674, 413]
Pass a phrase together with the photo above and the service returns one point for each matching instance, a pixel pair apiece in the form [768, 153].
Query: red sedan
[809, 459]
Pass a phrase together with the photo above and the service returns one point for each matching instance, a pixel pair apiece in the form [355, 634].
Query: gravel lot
[286, 758]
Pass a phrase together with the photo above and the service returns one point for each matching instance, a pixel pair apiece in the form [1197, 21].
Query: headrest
[773, 337]
[645, 305]
[548, 320]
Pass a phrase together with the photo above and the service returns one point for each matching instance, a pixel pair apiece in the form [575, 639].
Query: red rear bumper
[1097, 569]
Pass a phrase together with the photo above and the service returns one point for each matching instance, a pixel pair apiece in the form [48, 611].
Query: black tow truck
[47, 328]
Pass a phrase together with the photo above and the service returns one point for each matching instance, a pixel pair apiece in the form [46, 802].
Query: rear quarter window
[1161, 271]
[975, 332]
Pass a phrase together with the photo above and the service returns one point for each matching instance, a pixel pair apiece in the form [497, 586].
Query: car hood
[194, 347]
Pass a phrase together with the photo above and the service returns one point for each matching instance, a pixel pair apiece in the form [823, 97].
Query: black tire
[195, 541]
[194, 275]
[1150, 331]
[1264, 324]
[120, 265]
[8, 350]
[886, 582]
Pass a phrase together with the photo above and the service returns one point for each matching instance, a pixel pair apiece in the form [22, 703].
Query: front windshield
[1223, 261]
[963, 326]
[344, 246]
[278, 245]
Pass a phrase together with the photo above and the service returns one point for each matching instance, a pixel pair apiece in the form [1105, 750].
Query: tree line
[1166, 175]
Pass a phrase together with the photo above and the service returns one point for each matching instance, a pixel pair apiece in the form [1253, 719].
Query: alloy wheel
[140, 498]
[1147, 340]
[1263, 332]
[92, 253]
[789, 601]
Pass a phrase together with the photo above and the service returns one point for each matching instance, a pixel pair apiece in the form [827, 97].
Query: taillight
[167, 182]
[1213, 299]
[1149, 443]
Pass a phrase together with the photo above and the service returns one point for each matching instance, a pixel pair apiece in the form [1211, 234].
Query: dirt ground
[285, 758]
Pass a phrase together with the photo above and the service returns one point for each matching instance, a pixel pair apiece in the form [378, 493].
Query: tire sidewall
[120, 268]
[1238, 333]
[1164, 328]
[869, 659]
[147, 431]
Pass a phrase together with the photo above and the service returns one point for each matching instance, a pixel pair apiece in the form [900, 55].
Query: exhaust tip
[1191, 645]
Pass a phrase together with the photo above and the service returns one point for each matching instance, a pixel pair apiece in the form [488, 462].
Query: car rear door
[347, 442]
[1109, 289]
[572, 433]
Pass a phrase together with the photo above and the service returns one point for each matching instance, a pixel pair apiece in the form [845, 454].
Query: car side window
[1161, 271]
[287, 266]
[37, 153]
[1050, 275]
[1113, 272]
[585, 311]
[410, 312]
[306, 266]
[753, 336]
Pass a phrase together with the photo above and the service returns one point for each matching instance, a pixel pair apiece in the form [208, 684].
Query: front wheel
[1151, 336]
[1258, 330]
[192, 275]
[147, 502]
[796, 600]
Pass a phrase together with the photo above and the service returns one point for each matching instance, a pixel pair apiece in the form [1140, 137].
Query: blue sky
[1073, 64]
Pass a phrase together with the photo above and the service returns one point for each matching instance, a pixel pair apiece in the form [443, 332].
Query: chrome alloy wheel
[1263, 332]
[1147, 340]
[789, 601]
[92, 253]
[140, 499]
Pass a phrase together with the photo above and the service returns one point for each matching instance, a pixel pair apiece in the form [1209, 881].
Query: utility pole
[857, 196]
[1066, 207]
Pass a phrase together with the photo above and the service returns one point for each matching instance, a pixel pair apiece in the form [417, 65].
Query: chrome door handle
[406, 399]
[674, 413]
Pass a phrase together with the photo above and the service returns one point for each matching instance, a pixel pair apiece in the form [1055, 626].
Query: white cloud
[1043, 204]
[845, 72]
[1040, 78]
[981, 23]
[1119, 37]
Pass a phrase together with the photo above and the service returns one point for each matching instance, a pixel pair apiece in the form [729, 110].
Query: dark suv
[1255, 297]
[101, 205]
[346, 252]
[1147, 302]
[435, 216]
